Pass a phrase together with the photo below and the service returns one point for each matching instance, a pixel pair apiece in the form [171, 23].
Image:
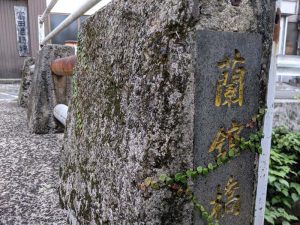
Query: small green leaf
[284, 182]
[197, 206]
[205, 215]
[178, 176]
[163, 177]
[285, 192]
[275, 199]
[231, 153]
[210, 220]
[199, 169]
[210, 166]
[169, 181]
[295, 197]
[224, 158]
[205, 171]
[194, 174]
[296, 187]
[219, 161]
[154, 185]
[183, 180]
[270, 219]
[242, 146]
[252, 147]
[271, 178]
[286, 203]
[189, 173]
[148, 181]
[202, 208]
[285, 223]
[259, 150]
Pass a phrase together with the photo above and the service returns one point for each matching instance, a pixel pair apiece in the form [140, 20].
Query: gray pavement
[9, 92]
[287, 91]
[29, 167]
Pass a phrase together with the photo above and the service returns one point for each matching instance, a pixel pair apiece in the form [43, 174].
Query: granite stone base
[27, 75]
[47, 91]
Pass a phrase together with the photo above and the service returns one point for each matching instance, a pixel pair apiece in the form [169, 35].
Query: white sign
[22, 30]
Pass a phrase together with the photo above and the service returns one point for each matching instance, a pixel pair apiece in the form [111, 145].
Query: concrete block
[47, 91]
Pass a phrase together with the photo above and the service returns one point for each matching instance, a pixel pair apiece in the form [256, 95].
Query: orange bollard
[64, 66]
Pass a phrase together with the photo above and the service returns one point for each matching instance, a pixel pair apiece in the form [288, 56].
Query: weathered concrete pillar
[150, 98]
[47, 91]
[27, 74]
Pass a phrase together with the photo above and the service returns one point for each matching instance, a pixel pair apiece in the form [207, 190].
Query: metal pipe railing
[47, 11]
[288, 65]
[41, 20]
[71, 18]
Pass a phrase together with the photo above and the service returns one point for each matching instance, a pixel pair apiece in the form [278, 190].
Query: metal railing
[71, 18]
[288, 65]
[47, 11]
[42, 18]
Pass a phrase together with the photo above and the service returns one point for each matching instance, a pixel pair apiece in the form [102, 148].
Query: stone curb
[10, 81]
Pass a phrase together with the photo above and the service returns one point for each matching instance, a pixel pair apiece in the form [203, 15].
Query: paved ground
[28, 168]
[287, 91]
[9, 91]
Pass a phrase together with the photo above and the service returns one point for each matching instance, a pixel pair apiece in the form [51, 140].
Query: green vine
[178, 182]
[284, 178]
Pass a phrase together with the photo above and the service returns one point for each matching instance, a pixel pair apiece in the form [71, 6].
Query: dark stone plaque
[226, 97]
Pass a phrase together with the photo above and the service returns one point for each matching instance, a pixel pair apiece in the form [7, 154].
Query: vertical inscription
[230, 86]
[226, 98]
[231, 136]
[226, 202]
[22, 30]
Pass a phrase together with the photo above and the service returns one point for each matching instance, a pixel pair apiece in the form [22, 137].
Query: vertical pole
[41, 31]
[298, 27]
[264, 158]
[282, 42]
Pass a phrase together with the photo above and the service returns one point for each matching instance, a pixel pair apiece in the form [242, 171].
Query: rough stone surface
[132, 112]
[287, 113]
[209, 118]
[47, 91]
[28, 171]
[27, 75]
